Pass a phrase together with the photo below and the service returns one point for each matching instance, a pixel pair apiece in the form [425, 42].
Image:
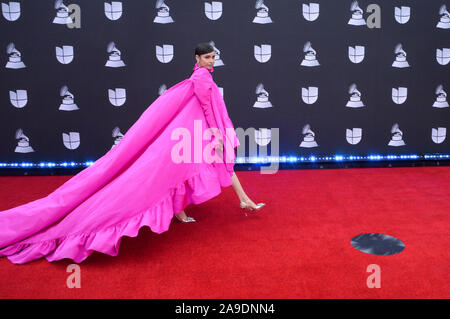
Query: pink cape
[137, 183]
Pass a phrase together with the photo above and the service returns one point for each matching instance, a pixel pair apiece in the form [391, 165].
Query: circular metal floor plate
[377, 244]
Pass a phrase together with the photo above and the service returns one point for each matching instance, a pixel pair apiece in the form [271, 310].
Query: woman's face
[206, 60]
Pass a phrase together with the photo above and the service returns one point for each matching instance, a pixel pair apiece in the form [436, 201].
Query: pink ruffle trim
[197, 189]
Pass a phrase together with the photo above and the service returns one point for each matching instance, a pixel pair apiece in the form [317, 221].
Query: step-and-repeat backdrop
[298, 78]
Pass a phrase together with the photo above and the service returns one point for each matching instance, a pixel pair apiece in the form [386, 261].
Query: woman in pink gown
[167, 160]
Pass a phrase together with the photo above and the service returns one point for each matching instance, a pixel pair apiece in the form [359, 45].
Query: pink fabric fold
[137, 183]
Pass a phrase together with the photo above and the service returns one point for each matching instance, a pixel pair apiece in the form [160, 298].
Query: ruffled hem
[196, 189]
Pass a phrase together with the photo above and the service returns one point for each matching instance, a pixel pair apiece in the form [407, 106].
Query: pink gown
[137, 183]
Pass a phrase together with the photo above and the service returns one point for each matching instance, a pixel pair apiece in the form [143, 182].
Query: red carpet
[298, 246]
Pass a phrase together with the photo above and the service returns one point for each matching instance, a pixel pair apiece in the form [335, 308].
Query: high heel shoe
[186, 220]
[244, 206]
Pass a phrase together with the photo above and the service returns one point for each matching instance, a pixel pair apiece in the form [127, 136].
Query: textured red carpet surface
[298, 246]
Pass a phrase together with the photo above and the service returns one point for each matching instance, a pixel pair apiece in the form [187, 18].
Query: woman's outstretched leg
[241, 193]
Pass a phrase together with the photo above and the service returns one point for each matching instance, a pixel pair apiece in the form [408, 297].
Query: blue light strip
[338, 158]
[259, 160]
[46, 165]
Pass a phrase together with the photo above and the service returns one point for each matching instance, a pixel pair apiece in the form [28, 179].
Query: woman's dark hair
[203, 48]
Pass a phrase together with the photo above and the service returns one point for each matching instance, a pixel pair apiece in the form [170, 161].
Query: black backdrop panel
[234, 34]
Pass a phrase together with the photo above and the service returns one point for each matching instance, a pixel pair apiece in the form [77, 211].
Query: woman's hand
[219, 146]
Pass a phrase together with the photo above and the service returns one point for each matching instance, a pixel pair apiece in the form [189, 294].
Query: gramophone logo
[438, 134]
[311, 11]
[353, 136]
[263, 136]
[262, 13]
[71, 140]
[67, 103]
[11, 11]
[115, 56]
[441, 97]
[62, 15]
[443, 56]
[117, 135]
[163, 13]
[308, 138]
[23, 145]
[444, 22]
[113, 10]
[64, 54]
[263, 52]
[397, 136]
[399, 95]
[356, 54]
[310, 58]
[310, 94]
[262, 97]
[402, 14]
[162, 89]
[18, 98]
[357, 15]
[164, 53]
[355, 97]
[400, 57]
[213, 10]
[117, 96]
[217, 60]
[14, 58]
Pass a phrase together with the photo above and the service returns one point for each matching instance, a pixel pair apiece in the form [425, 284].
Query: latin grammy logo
[357, 18]
[67, 103]
[400, 57]
[309, 137]
[163, 13]
[14, 57]
[217, 60]
[441, 97]
[355, 97]
[262, 97]
[117, 135]
[72, 20]
[23, 145]
[115, 56]
[162, 89]
[310, 59]
[262, 13]
[397, 136]
[444, 21]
